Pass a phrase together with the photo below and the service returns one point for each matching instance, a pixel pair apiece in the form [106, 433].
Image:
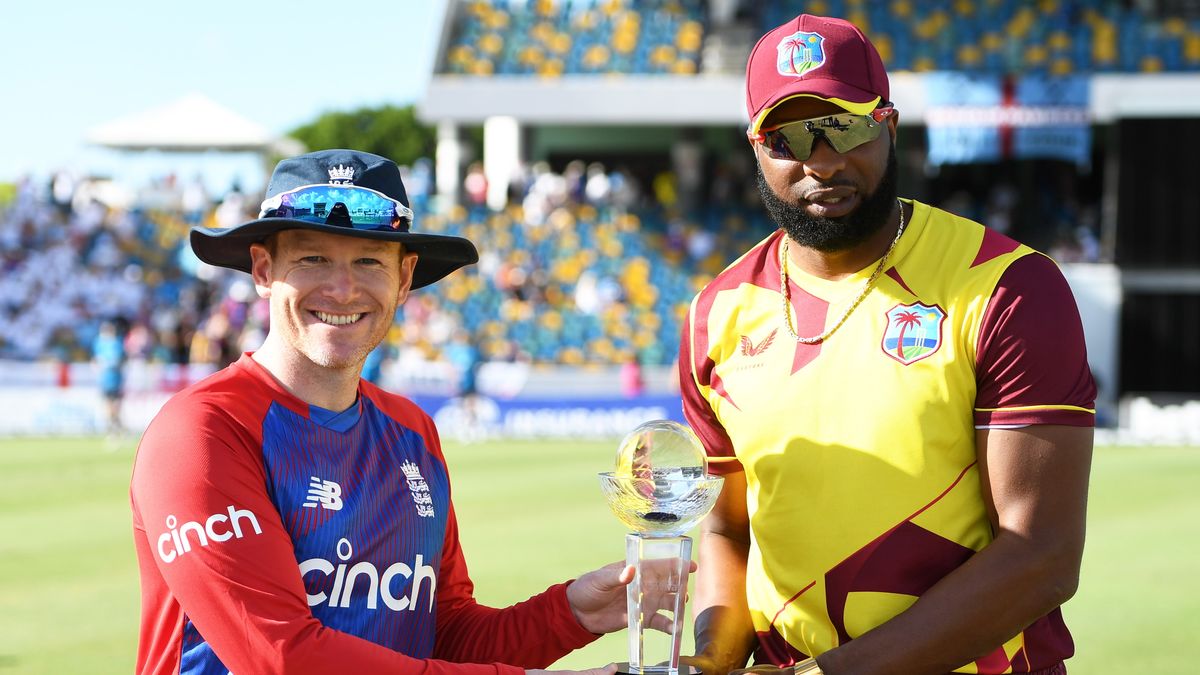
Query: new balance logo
[324, 493]
[751, 349]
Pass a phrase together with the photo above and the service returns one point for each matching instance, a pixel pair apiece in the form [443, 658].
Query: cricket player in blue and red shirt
[292, 517]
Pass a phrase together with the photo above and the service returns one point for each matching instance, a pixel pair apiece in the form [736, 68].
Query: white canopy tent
[191, 135]
[193, 123]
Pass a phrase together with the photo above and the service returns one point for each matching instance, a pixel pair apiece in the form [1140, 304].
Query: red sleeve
[697, 410]
[1031, 361]
[531, 634]
[198, 468]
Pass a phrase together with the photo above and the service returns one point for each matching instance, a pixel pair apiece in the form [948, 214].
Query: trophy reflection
[660, 490]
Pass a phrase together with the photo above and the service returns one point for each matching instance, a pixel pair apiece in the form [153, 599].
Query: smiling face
[332, 297]
[831, 201]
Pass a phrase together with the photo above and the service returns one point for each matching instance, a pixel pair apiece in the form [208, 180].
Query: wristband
[807, 667]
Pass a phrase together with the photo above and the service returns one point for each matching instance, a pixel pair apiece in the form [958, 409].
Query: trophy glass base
[623, 668]
[658, 591]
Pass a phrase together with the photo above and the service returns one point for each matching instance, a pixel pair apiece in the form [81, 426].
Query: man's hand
[763, 670]
[598, 598]
[610, 669]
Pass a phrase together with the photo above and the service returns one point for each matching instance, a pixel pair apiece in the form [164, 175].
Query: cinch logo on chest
[913, 332]
[379, 586]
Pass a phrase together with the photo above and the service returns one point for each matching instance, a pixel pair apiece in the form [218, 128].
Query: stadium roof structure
[719, 99]
[193, 123]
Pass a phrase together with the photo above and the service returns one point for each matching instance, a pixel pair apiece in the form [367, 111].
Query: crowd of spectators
[588, 265]
[77, 252]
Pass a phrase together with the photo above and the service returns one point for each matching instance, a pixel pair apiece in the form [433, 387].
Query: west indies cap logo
[913, 332]
[800, 53]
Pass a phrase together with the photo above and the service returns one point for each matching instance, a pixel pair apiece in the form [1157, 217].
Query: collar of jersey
[336, 421]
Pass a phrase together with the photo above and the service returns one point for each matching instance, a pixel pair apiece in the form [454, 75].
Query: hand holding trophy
[660, 490]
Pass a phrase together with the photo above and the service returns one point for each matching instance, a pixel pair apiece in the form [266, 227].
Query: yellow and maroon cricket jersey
[859, 452]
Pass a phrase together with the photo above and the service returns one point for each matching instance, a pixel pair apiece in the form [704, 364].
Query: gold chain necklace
[787, 296]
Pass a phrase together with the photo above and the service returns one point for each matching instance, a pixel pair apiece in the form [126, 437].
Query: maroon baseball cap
[816, 56]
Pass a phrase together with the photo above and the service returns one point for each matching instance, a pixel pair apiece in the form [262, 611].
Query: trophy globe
[660, 489]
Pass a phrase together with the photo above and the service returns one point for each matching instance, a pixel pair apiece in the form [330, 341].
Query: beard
[829, 235]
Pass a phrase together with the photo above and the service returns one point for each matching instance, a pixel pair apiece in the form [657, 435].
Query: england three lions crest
[913, 332]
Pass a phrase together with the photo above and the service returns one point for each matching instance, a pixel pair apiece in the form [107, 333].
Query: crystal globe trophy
[660, 489]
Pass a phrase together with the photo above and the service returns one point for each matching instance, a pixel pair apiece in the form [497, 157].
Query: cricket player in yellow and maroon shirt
[899, 400]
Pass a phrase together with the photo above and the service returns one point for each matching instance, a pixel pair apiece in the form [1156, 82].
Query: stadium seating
[592, 283]
[550, 39]
[1048, 36]
[1060, 37]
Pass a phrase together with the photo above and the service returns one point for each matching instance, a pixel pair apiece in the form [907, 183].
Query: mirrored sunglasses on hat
[845, 131]
[363, 208]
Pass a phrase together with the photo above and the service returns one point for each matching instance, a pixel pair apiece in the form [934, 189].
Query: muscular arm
[724, 635]
[1035, 483]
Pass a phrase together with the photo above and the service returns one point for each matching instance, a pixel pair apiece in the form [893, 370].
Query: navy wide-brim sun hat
[437, 255]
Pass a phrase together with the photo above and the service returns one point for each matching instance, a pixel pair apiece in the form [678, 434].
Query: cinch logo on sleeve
[379, 586]
[217, 527]
[324, 493]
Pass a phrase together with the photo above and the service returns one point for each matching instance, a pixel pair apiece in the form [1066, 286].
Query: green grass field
[531, 514]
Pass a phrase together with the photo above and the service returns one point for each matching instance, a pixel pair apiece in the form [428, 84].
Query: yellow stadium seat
[531, 56]
[969, 56]
[491, 43]
[624, 41]
[861, 19]
[662, 55]
[1191, 48]
[498, 20]
[684, 67]
[1036, 55]
[883, 45]
[1021, 22]
[551, 320]
[689, 37]
[560, 43]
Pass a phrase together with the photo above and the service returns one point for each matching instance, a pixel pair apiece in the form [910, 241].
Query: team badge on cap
[341, 175]
[913, 332]
[800, 53]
